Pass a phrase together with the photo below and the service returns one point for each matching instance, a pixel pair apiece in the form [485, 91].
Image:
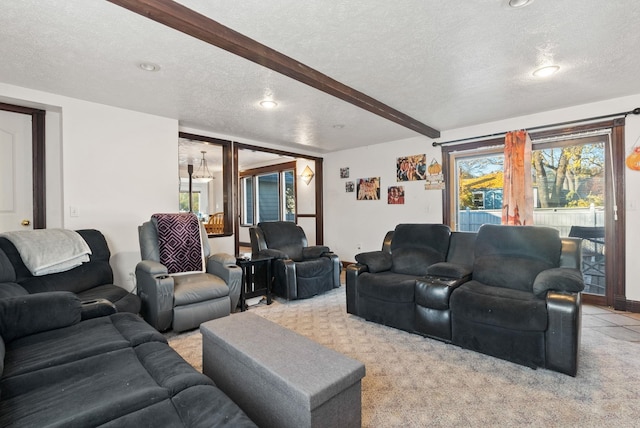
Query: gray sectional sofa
[74, 353]
[109, 371]
[513, 292]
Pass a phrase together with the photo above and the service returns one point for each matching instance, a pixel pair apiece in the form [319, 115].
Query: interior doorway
[24, 192]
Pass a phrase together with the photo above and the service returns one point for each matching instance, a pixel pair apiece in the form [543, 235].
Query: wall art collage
[408, 168]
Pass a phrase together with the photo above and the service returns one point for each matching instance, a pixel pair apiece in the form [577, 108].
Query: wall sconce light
[307, 175]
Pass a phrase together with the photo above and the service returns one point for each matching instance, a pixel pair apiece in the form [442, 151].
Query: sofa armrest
[449, 270]
[224, 266]
[434, 292]
[155, 289]
[376, 261]
[276, 254]
[97, 308]
[285, 272]
[34, 313]
[314, 251]
[558, 279]
[562, 338]
[353, 271]
[150, 267]
[337, 267]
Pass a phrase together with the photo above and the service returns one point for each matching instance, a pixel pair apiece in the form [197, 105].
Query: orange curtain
[517, 193]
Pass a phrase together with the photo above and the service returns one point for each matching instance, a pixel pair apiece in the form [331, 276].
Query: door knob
[25, 222]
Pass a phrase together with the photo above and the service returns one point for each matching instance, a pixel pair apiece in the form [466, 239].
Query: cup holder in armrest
[97, 308]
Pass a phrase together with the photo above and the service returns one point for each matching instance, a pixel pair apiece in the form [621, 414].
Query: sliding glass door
[569, 188]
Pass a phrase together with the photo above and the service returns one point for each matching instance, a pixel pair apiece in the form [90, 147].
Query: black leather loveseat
[90, 281]
[508, 291]
[109, 371]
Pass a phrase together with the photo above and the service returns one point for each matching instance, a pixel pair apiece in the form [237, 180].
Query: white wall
[118, 167]
[349, 222]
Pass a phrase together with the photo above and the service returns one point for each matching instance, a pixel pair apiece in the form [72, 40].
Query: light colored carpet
[412, 381]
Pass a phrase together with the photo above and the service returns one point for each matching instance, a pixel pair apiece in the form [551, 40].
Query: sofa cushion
[29, 314]
[414, 261]
[198, 406]
[376, 261]
[198, 287]
[512, 256]
[387, 286]
[285, 236]
[11, 289]
[86, 392]
[81, 340]
[168, 369]
[498, 306]
[7, 273]
[416, 246]
[422, 235]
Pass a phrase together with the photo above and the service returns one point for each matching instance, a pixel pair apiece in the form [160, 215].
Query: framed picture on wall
[344, 172]
[411, 168]
[395, 195]
[349, 186]
[368, 189]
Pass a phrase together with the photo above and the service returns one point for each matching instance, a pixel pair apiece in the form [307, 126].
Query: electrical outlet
[74, 212]
[358, 246]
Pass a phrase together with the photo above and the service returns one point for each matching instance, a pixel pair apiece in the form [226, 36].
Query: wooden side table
[252, 286]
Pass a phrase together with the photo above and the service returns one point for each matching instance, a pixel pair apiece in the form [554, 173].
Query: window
[184, 202]
[268, 194]
[567, 176]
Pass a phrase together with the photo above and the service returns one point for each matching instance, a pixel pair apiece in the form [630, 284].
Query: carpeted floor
[412, 381]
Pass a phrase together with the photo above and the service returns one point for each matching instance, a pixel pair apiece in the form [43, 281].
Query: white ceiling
[448, 64]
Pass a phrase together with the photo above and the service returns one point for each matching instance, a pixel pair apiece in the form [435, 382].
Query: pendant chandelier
[202, 174]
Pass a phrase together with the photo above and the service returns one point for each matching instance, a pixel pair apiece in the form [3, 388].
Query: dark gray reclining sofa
[90, 281]
[108, 371]
[508, 291]
[67, 363]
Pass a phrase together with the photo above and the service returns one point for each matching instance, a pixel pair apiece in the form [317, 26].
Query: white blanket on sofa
[46, 251]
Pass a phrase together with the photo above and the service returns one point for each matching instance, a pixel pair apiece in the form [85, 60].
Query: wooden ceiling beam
[185, 20]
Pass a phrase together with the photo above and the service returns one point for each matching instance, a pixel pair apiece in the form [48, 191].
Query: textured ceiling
[448, 64]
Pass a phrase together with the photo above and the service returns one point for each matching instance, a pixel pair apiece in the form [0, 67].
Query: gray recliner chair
[299, 270]
[174, 288]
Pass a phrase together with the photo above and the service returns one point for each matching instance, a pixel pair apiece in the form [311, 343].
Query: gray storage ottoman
[278, 377]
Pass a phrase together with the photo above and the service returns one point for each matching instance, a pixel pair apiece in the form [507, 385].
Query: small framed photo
[395, 195]
[349, 186]
[368, 189]
[344, 172]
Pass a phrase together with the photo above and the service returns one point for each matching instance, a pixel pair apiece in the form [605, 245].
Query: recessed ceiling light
[149, 66]
[546, 71]
[268, 104]
[519, 3]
